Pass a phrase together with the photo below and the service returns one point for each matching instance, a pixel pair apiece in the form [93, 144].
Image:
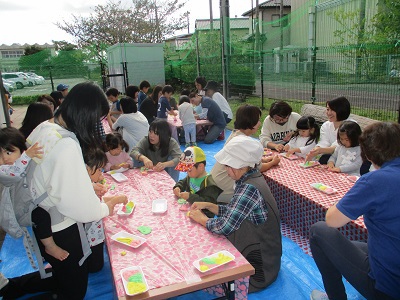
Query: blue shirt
[214, 112]
[247, 203]
[141, 97]
[375, 196]
[163, 106]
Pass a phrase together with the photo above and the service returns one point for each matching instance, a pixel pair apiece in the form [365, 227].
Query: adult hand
[278, 147]
[147, 163]
[114, 201]
[34, 151]
[199, 205]
[286, 148]
[159, 167]
[198, 216]
[99, 189]
[314, 152]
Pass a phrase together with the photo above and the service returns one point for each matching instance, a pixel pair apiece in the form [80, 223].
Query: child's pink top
[119, 159]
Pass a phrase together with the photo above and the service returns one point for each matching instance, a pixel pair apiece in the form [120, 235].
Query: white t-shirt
[223, 104]
[300, 142]
[62, 174]
[328, 136]
[272, 132]
[135, 127]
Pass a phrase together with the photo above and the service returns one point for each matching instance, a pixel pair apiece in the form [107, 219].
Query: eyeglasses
[280, 119]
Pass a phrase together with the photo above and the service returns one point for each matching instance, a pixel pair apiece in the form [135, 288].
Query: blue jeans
[335, 256]
[190, 133]
[213, 134]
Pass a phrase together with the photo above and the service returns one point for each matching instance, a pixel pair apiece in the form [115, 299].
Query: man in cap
[251, 219]
[63, 88]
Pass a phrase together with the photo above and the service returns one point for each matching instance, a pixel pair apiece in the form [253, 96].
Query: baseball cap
[62, 87]
[212, 85]
[241, 151]
[189, 157]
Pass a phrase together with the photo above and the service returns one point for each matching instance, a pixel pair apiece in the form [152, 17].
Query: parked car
[10, 86]
[18, 77]
[37, 79]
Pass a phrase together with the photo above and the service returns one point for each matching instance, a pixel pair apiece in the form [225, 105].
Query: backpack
[16, 207]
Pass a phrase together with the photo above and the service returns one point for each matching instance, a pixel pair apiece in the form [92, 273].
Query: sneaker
[187, 145]
[318, 295]
[194, 144]
[3, 281]
[221, 136]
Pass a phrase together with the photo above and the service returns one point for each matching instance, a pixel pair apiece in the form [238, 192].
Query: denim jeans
[335, 256]
[190, 133]
[212, 134]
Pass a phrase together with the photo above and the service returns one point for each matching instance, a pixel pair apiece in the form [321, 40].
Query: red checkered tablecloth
[301, 205]
[175, 241]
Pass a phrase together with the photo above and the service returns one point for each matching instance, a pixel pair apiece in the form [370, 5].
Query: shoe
[3, 281]
[318, 295]
[187, 145]
[194, 144]
[221, 136]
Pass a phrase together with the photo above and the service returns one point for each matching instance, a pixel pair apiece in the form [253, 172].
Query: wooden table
[173, 245]
[301, 205]
[175, 124]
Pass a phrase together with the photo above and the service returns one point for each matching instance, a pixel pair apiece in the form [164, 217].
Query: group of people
[232, 200]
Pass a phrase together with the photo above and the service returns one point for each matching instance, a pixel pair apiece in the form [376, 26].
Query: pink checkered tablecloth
[301, 205]
[175, 241]
[175, 123]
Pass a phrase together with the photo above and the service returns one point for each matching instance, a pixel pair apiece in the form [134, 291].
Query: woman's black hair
[247, 116]
[280, 108]
[161, 128]
[11, 138]
[36, 113]
[57, 96]
[202, 81]
[114, 140]
[156, 91]
[128, 105]
[183, 99]
[341, 106]
[131, 90]
[352, 130]
[307, 122]
[95, 158]
[82, 109]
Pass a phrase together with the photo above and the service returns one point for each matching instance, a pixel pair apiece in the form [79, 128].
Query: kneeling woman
[251, 219]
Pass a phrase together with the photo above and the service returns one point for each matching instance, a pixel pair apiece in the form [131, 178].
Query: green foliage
[387, 21]
[32, 50]
[34, 61]
[24, 100]
[68, 64]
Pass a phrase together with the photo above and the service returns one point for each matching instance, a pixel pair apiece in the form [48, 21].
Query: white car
[37, 79]
[10, 86]
[20, 80]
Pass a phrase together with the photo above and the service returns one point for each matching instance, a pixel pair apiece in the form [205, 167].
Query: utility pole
[225, 38]
[187, 19]
[211, 16]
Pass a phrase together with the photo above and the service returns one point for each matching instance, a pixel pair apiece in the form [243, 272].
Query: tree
[32, 50]
[147, 21]
[63, 45]
[387, 21]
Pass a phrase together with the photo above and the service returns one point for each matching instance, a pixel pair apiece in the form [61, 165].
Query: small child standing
[347, 155]
[14, 159]
[198, 185]
[117, 154]
[115, 109]
[164, 107]
[304, 139]
[188, 121]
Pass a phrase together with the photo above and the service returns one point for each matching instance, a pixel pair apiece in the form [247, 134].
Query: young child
[115, 110]
[188, 121]
[14, 159]
[117, 155]
[304, 139]
[347, 155]
[197, 185]
[164, 107]
[144, 87]
[251, 219]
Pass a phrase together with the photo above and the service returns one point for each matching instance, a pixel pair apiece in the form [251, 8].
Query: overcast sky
[32, 21]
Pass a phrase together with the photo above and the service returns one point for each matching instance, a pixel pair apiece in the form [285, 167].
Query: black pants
[69, 280]
[42, 223]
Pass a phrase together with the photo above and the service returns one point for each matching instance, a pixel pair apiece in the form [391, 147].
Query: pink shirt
[117, 160]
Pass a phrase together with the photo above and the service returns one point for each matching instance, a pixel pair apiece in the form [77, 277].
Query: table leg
[229, 289]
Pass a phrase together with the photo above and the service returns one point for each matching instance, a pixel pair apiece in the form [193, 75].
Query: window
[275, 20]
[12, 53]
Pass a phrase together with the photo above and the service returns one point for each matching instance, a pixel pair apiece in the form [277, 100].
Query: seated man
[212, 92]
[373, 268]
[213, 113]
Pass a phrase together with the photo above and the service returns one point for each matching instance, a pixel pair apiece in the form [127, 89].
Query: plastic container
[126, 209]
[291, 156]
[323, 188]
[134, 281]
[159, 206]
[213, 261]
[128, 239]
[119, 177]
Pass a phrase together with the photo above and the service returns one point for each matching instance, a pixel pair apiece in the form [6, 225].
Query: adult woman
[133, 123]
[47, 99]
[158, 151]
[36, 113]
[246, 124]
[149, 105]
[251, 219]
[337, 111]
[62, 174]
[278, 126]
[200, 83]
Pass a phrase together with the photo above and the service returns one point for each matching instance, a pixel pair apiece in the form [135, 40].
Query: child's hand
[159, 167]
[184, 195]
[290, 152]
[34, 151]
[276, 160]
[278, 147]
[330, 165]
[177, 191]
[314, 152]
[335, 169]
[266, 159]
[124, 165]
[286, 148]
